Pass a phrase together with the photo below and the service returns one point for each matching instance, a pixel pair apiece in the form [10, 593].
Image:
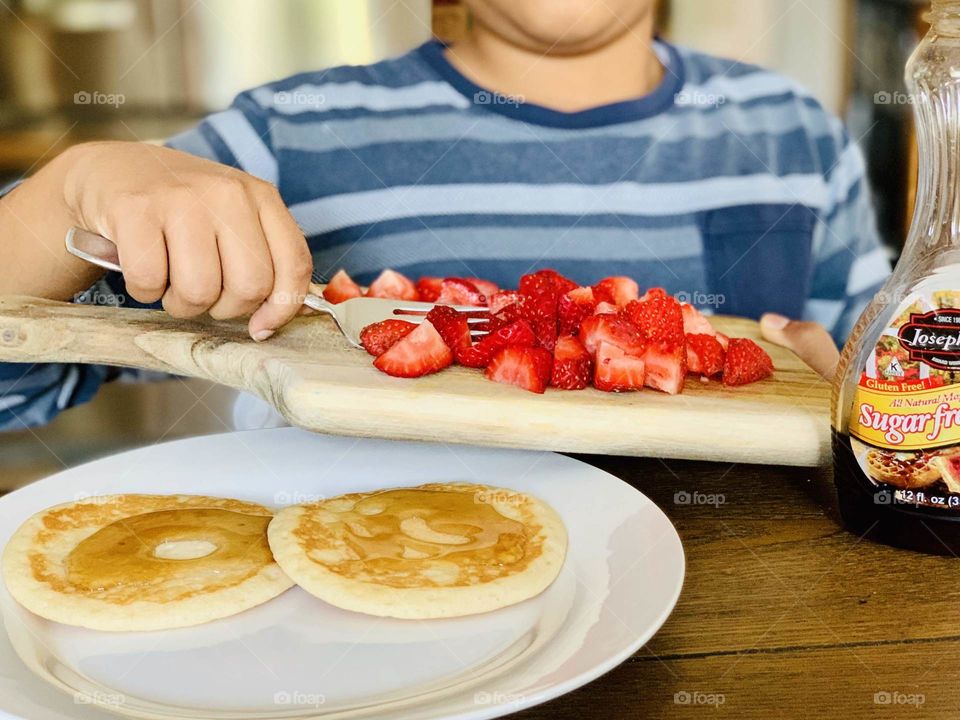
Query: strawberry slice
[421, 352]
[500, 300]
[618, 290]
[695, 322]
[452, 326]
[614, 330]
[394, 286]
[380, 337]
[723, 340]
[428, 288]
[457, 291]
[572, 364]
[704, 355]
[341, 287]
[486, 288]
[606, 308]
[666, 366]
[746, 362]
[540, 311]
[659, 318]
[616, 371]
[572, 308]
[525, 367]
[546, 281]
[516, 334]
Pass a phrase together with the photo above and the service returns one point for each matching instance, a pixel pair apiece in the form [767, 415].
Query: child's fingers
[292, 266]
[245, 261]
[810, 341]
[194, 265]
[143, 257]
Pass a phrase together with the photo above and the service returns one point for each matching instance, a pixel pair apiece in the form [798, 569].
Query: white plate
[296, 657]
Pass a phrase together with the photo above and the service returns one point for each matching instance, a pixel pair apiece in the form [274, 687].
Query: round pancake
[433, 551]
[143, 562]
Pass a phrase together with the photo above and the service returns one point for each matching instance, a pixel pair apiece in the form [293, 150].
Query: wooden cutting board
[318, 381]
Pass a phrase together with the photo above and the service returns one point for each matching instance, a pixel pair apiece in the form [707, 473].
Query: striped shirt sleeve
[32, 395]
[851, 263]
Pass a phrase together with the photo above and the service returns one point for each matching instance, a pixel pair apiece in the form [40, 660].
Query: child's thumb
[808, 340]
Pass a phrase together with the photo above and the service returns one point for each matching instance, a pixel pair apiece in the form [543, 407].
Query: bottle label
[905, 420]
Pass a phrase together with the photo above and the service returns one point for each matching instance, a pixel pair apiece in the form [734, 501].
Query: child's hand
[810, 341]
[203, 237]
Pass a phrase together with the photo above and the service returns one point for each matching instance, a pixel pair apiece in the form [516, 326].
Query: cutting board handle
[33, 330]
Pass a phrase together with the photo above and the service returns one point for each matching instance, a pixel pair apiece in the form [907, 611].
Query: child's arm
[202, 236]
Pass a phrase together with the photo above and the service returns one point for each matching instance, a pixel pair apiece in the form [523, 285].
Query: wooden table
[783, 614]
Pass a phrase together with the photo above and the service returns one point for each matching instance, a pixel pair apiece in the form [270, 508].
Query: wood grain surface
[784, 614]
[318, 381]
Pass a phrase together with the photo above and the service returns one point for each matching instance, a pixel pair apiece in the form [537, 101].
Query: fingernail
[775, 321]
[261, 335]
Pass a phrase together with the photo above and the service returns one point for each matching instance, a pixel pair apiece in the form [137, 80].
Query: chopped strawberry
[525, 367]
[572, 308]
[546, 280]
[391, 284]
[428, 288]
[614, 330]
[572, 364]
[616, 371]
[540, 311]
[606, 308]
[616, 290]
[704, 355]
[659, 318]
[666, 366]
[746, 362]
[516, 334]
[381, 336]
[654, 292]
[499, 300]
[487, 288]
[421, 352]
[695, 322]
[341, 287]
[452, 326]
[457, 291]
[723, 340]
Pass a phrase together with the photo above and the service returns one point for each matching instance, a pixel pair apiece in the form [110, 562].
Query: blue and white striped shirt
[728, 185]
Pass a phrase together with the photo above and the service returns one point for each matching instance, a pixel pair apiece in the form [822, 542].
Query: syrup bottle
[896, 400]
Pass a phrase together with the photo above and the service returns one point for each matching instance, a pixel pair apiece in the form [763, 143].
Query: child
[554, 134]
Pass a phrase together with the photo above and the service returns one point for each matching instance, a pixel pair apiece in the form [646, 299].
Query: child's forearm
[34, 219]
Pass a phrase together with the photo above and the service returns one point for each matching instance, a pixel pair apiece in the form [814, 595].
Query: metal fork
[351, 316]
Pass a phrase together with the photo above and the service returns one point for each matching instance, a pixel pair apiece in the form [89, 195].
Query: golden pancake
[433, 551]
[143, 562]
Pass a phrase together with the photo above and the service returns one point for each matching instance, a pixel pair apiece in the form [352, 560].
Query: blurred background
[77, 70]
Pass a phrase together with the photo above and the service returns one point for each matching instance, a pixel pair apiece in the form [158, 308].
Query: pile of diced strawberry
[553, 332]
